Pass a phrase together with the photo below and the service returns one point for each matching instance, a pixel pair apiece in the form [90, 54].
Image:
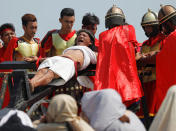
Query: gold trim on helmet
[166, 12]
[114, 16]
[149, 18]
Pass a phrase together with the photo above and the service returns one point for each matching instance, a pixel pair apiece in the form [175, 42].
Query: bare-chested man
[64, 66]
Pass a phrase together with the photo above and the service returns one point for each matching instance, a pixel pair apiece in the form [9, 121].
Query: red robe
[165, 68]
[47, 43]
[116, 65]
[149, 87]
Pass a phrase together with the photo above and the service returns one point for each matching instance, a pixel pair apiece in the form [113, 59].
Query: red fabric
[138, 47]
[116, 65]
[2, 50]
[47, 46]
[6, 55]
[47, 43]
[149, 87]
[153, 40]
[66, 37]
[149, 92]
[7, 29]
[165, 68]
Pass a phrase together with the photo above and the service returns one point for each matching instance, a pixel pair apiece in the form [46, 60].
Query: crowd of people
[126, 71]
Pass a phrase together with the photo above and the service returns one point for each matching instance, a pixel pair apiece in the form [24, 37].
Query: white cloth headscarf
[166, 117]
[63, 108]
[104, 108]
[25, 120]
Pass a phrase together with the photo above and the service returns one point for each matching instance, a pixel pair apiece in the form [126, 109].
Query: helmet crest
[149, 18]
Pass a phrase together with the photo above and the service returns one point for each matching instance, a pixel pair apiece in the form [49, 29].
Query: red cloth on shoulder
[66, 37]
[165, 68]
[116, 64]
[8, 54]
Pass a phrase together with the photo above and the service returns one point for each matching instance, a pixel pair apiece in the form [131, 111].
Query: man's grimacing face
[83, 39]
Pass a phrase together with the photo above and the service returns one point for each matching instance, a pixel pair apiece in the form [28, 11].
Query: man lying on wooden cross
[73, 59]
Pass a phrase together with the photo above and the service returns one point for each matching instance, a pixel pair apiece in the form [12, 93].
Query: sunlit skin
[45, 75]
[7, 36]
[30, 30]
[92, 28]
[67, 24]
[83, 39]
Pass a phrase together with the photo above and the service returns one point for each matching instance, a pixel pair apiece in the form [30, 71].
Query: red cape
[165, 68]
[116, 65]
[149, 87]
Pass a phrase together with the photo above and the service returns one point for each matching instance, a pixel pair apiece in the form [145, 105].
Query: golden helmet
[114, 16]
[166, 12]
[149, 18]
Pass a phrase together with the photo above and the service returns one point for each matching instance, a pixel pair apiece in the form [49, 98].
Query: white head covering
[63, 108]
[104, 108]
[25, 120]
[166, 117]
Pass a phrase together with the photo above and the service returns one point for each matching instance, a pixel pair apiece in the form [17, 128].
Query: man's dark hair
[28, 18]
[90, 19]
[6, 26]
[67, 12]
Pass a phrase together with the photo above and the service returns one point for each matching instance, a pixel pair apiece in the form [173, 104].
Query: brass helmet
[114, 16]
[149, 18]
[166, 12]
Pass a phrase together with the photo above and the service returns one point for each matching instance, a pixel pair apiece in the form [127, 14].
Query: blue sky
[48, 12]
